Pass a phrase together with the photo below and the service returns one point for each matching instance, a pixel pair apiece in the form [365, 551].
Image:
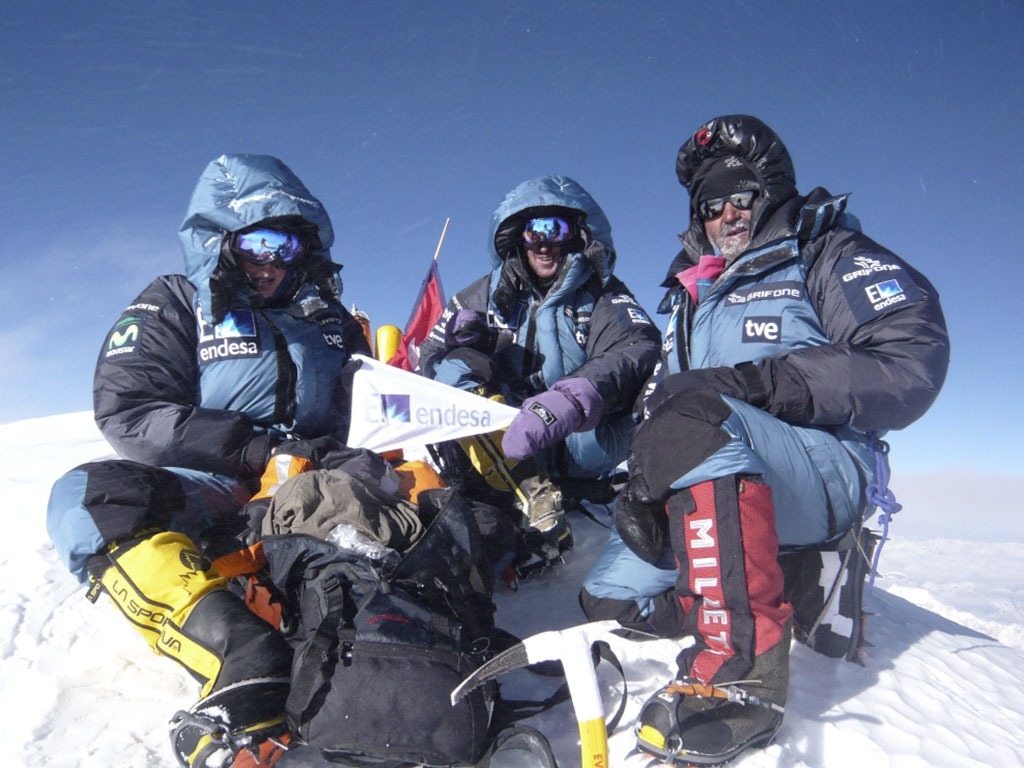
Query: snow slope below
[943, 686]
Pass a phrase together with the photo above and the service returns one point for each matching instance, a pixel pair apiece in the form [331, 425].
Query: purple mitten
[467, 328]
[571, 405]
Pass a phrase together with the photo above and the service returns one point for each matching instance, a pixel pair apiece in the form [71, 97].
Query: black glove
[254, 460]
[743, 382]
[642, 525]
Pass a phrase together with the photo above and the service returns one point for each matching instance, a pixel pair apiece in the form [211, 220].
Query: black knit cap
[720, 177]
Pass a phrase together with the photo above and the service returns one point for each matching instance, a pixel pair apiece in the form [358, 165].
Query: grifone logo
[867, 266]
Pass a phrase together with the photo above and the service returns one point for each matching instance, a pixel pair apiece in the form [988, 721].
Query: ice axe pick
[571, 647]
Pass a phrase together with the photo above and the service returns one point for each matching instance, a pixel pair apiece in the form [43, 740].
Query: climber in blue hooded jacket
[198, 380]
[555, 333]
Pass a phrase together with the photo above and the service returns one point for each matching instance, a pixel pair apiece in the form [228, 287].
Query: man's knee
[98, 503]
[678, 437]
[465, 368]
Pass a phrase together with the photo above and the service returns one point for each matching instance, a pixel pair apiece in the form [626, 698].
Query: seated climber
[793, 342]
[201, 376]
[552, 331]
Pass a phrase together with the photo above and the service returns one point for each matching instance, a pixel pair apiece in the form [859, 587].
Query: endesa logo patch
[875, 286]
[233, 338]
[882, 295]
[762, 330]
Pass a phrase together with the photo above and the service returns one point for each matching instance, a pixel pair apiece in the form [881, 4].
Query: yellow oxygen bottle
[388, 339]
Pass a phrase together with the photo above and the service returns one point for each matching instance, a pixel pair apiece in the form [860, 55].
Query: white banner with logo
[392, 409]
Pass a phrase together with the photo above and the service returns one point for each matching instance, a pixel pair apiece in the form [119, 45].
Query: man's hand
[744, 382]
[468, 328]
[571, 405]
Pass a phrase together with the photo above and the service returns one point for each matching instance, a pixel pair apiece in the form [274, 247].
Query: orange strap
[241, 562]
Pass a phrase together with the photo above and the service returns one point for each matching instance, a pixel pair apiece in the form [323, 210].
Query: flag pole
[439, 242]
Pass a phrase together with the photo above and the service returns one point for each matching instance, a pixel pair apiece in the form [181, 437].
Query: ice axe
[571, 647]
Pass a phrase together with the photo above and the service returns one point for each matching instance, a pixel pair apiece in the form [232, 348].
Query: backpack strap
[312, 675]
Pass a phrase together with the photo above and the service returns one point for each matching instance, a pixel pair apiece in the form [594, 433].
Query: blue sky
[400, 114]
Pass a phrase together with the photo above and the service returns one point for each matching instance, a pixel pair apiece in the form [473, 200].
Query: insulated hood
[233, 192]
[757, 147]
[549, 192]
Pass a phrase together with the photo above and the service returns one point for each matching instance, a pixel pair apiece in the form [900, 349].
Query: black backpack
[379, 646]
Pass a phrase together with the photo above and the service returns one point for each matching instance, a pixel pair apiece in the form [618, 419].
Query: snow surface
[943, 686]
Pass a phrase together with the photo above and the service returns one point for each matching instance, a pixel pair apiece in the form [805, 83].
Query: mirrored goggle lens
[262, 246]
[547, 230]
[741, 201]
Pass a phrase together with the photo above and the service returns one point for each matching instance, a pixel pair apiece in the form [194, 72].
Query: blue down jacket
[586, 323]
[199, 364]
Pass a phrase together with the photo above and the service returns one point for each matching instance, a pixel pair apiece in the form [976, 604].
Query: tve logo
[762, 329]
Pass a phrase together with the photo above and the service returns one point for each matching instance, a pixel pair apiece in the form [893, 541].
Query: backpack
[380, 645]
[825, 586]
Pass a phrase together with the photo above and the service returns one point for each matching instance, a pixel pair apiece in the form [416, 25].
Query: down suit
[199, 376]
[777, 374]
[199, 379]
[584, 324]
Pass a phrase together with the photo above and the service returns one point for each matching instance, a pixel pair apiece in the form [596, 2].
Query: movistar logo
[130, 332]
[124, 338]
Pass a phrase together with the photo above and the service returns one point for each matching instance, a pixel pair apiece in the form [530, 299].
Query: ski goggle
[741, 201]
[263, 246]
[550, 230]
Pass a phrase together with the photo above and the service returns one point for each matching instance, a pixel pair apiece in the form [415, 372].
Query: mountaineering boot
[231, 727]
[733, 680]
[179, 603]
[536, 552]
[522, 483]
[690, 723]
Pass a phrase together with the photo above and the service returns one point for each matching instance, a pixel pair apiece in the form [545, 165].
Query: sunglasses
[262, 246]
[741, 201]
[550, 230]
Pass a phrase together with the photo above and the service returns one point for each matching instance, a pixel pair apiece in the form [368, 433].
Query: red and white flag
[425, 313]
